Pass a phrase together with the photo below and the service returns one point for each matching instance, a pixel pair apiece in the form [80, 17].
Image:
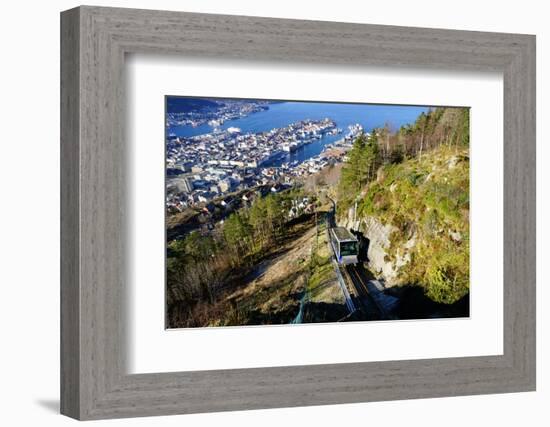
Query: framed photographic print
[261, 213]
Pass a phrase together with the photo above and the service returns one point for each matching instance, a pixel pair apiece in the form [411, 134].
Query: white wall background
[29, 212]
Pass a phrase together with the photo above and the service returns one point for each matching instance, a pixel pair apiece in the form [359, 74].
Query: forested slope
[414, 184]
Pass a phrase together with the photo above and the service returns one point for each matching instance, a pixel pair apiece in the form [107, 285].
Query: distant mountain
[185, 105]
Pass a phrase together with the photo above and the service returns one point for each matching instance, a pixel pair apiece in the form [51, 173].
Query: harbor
[230, 146]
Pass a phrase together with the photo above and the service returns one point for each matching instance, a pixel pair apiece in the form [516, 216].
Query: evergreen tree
[237, 233]
[370, 158]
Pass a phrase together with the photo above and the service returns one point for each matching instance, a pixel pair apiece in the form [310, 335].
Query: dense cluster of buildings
[212, 166]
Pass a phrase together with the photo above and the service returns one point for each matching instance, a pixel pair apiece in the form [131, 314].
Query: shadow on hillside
[414, 304]
[364, 243]
[322, 312]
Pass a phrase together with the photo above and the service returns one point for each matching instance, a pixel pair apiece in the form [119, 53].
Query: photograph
[294, 212]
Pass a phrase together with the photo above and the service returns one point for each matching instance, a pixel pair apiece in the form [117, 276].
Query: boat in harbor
[274, 155]
[290, 147]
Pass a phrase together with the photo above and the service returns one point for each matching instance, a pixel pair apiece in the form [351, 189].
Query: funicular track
[357, 281]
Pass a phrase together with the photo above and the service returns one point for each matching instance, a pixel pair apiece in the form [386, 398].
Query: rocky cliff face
[378, 240]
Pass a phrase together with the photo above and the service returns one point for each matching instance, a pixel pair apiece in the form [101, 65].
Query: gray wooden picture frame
[94, 381]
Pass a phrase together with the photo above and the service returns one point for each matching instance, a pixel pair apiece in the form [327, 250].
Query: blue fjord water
[284, 113]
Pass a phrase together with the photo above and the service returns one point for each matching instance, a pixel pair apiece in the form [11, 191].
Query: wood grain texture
[94, 381]
[70, 333]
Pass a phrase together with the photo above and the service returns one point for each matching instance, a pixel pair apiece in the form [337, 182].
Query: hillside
[413, 211]
[259, 265]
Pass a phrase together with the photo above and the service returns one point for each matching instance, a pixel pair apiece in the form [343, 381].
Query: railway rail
[357, 281]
